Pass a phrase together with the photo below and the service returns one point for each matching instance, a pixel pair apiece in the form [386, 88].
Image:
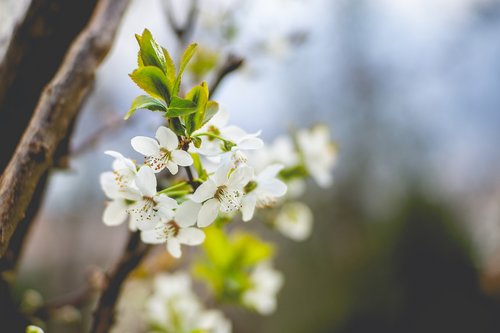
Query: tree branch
[58, 105]
[134, 252]
[233, 63]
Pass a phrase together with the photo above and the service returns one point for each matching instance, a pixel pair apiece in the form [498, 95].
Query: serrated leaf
[180, 107]
[152, 80]
[145, 102]
[210, 111]
[186, 56]
[151, 53]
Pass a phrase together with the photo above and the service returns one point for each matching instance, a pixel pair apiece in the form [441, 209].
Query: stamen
[230, 199]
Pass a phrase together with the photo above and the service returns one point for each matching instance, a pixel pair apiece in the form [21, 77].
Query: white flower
[175, 308]
[320, 154]
[281, 151]
[174, 235]
[266, 189]
[149, 206]
[221, 192]
[217, 128]
[163, 153]
[266, 284]
[295, 221]
[118, 186]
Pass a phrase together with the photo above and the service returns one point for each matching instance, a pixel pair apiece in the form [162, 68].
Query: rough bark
[53, 115]
[35, 52]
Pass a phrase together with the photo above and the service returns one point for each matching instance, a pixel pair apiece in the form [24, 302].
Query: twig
[183, 31]
[232, 63]
[105, 313]
[58, 105]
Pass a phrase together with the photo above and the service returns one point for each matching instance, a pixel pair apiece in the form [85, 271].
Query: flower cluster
[199, 173]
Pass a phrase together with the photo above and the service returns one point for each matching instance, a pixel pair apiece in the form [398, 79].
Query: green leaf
[145, 102]
[176, 126]
[169, 70]
[151, 53]
[199, 96]
[186, 56]
[180, 107]
[210, 111]
[152, 80]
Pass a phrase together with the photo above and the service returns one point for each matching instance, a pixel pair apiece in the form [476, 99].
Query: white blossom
[175, 308]
[294, 221]
[320, 154]
[266, 189]
[217, 128]
[266, 283]
[163, 152]
[174, 233]
[222, 192]
[149, 206]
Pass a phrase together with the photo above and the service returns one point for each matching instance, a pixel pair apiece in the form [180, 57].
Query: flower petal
[204, 191]
[172, 167]
[270, 171]
[208, 213]
[146, 146]
[115, 213]
[250, 143]
[181, 157]
[187, 213]
[191, 236]
[240, 177]
[174, 247]
[167, 138]
[275, 187]
[153, 236]
[248, 207]
[146, 181]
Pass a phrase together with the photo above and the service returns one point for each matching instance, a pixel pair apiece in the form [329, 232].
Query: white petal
[167, 138]
[123, 162]
[275, 187]
[114, 213]
[248, 207]
[208, 213]
[270, 171]
[251, 143]
[108, 184]
[240, 177]
[130, 194]
[166, 201]
[191, 236]
[172, 167]
[146, 181]
[146, 146]
[187, 213]
[204, 191]
[182, 158]
[152, 237]
[174, 247]
[233, 133]
[220, 176]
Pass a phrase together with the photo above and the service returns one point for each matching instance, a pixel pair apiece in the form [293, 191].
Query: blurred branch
[233, 63]
[134, 252]
[58, 105]
[35, 52]
[182, 31]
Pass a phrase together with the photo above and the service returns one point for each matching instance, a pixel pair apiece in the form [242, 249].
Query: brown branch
[35, 52]
[58, 105]
[233, 63]
[182, 32]
[134, 252]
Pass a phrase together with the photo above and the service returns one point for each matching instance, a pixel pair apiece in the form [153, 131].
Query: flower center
[230, 199]
[146, 211]
[171, 229]
[158, 162]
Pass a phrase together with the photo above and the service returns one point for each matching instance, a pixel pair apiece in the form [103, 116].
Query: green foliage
[293, 172]
[145, 102]
[153, 81]
[198, 166]
[203, 62]
[228, 261]
[156, 75]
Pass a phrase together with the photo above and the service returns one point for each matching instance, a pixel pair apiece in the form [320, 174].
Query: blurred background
[408, 238]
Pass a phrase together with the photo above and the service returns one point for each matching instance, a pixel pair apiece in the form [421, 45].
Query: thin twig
[134, 252]
[182, 32]
[232, 63]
